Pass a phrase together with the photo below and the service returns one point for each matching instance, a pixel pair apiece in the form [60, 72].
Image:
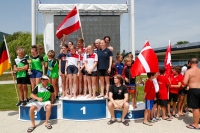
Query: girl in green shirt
[52, 71]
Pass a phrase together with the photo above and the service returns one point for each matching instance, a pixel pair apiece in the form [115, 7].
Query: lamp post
[33, 22]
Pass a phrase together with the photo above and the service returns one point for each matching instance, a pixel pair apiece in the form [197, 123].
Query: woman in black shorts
[62, 63]
[91, 60]
[104, 67]
[72, 68]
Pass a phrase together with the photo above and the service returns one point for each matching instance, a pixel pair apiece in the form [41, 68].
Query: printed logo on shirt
[63, 58]
[105, 52]
[119, 92]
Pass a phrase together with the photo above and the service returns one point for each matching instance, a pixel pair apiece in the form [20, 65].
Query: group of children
[83, 71]
[160, 92]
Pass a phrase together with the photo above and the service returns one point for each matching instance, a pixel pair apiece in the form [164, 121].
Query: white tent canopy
[118, 8]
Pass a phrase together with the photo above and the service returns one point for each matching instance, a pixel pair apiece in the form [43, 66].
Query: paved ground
[7, 82]
[10, 124]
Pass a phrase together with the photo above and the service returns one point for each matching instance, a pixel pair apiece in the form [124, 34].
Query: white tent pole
[132, 27]
[33, 22]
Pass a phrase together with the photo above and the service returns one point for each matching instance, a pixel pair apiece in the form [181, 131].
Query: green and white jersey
[36, 63]
[53, 64]
[20, 62]
[45, 57]
[43, 92]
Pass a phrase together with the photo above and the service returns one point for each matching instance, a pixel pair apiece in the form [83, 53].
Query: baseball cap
[45, 77]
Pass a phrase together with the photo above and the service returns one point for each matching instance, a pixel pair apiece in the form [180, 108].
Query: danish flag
[146, 61]
[70, 24]
[167, 62]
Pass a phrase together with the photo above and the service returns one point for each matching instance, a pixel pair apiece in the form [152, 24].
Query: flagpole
[15, 84]
[80, 25]
[83, 36]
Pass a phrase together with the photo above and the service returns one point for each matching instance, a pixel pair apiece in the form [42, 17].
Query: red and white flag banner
[70, 24]
[147, 61]
[167, 62]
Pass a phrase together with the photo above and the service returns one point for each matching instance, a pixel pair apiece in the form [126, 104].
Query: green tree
[21, 39]
[181, 42]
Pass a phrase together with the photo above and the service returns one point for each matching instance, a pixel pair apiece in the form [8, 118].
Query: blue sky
[155, 20]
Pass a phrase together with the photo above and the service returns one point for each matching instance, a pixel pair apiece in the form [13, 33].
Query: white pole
[33, 22]
[132, 27]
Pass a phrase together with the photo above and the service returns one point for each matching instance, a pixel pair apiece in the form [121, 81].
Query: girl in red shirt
[176, 80]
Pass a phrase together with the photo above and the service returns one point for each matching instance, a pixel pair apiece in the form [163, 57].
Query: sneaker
[27, 100]
[24, 103]
[154, 119]
[158, 118]
[19, 103]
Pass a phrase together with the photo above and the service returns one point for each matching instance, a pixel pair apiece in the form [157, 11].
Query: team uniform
[150, 94]
[82, 49]
[63, 58]
[45, 59]
[163, 82]
[36, 66]
[44, 93]
[90, 60]
[72, 60]
[131, 85]
[119, 67]
[103, 61]
[53, 73]
[173, 92]
[21, 75]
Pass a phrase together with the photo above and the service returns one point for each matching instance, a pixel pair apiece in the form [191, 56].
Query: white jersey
[90, 60]
[73, 59]
[183, 70]
[155, 83]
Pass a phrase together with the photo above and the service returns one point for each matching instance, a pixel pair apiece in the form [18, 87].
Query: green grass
[5, 77]
[8, 97]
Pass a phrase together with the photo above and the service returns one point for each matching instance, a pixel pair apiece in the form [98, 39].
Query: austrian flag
[70, 24]
[146, 61]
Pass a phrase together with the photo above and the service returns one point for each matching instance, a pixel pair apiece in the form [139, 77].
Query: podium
[133, 114]
[83, 109]
[40, 115]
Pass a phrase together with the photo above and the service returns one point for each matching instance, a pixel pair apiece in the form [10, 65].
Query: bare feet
[99, 96]
[89, 96]
[134, 106]
[75, 96]
[106, 96]
[93, 97]
[69, 96]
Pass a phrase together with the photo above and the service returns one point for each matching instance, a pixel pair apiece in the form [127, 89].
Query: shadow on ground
[13, 113]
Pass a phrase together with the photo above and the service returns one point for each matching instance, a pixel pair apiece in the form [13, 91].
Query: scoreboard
[93, 27]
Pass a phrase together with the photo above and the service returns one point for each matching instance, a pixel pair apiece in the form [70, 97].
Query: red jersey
[174, 81]
[150, 90]
[163, 82]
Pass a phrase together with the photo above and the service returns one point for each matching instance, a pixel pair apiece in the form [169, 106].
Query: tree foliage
[181, 42]
[21, 39]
